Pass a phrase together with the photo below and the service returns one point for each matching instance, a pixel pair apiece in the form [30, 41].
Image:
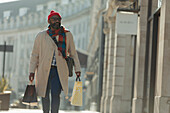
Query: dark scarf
[61, 43]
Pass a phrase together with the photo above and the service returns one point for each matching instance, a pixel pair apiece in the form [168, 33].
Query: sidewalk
[40, 111]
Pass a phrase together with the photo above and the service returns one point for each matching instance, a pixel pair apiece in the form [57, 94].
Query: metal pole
[4, 60]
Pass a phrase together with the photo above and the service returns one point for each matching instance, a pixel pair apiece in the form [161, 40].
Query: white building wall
[17, 62]
[21, 31]
[78, 22]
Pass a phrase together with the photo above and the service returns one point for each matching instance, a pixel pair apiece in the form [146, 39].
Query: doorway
[155, 37]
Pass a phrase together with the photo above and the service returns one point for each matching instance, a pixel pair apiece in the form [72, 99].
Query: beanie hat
[52, 13]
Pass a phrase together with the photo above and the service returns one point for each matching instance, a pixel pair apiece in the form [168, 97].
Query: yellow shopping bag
[76, 99]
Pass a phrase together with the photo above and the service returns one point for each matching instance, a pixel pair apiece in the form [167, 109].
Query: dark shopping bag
[30, 96]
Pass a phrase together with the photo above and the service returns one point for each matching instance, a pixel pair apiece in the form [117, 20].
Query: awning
[82, 58]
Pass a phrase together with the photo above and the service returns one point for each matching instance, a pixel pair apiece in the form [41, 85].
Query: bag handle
[78, 78]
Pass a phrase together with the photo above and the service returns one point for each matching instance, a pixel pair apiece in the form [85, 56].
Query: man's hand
[78, 74]
[31, 77]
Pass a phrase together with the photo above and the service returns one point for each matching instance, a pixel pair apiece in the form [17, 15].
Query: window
[85, 26]
[6, 14]
[83, 45]
[51, 5]
[22, 11]
[74, 31]
[80, 28]
[64, 2]
[79, 42]
[40, 7]
[102, 1]
[159, 3]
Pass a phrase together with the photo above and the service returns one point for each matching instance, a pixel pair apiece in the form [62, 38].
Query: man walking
[48, 63]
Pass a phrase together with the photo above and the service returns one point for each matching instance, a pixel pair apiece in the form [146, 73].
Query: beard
[55, 25]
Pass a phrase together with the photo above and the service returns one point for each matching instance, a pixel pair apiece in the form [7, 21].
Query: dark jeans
[55, 86]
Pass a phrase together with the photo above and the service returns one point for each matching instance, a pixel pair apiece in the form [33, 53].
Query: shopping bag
[76, 98]
[30, 96]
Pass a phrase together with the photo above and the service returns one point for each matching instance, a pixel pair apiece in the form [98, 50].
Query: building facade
[95, 61]
[77, 20]
[135, 78]
[21, 21]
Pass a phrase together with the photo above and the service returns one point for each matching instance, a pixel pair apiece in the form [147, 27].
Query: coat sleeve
[73, 53]
[34, 56]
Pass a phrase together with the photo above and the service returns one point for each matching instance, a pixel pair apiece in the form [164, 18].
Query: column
[126, 50]
[162, 98]
[111, 23]
[140, 59]
[122, 75]
[106, 32]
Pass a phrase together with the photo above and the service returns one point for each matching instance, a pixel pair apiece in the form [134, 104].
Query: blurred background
[21, 20]
[122, 45]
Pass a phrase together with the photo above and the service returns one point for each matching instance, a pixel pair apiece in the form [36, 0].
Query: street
[40, 111]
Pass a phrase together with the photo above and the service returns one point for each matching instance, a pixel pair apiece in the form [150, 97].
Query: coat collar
[50, 42]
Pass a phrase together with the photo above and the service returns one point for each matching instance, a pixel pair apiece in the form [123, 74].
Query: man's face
[55, 22]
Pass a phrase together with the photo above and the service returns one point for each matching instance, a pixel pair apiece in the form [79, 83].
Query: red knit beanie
[52, 13]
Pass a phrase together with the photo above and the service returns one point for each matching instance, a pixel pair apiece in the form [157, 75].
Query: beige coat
[41, 58]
